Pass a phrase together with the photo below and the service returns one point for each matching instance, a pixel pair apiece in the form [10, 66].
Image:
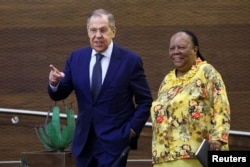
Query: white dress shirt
[104, 61]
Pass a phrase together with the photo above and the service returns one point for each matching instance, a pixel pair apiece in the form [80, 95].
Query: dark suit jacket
[124, 100]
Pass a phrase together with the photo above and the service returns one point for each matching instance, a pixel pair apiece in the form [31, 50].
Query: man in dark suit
[109, 121]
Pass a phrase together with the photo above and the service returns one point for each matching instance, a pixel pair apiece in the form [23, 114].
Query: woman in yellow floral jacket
[192, 104]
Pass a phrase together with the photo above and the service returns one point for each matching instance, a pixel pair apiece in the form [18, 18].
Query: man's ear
[114, 32]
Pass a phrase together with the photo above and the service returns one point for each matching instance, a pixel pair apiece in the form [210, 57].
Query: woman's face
[182, 52]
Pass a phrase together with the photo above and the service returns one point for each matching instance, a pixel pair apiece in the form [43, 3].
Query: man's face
[99, 32]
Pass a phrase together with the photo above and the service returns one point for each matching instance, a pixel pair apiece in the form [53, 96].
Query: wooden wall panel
[35, 33]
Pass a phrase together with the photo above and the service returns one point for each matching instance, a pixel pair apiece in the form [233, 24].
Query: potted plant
[56, 137]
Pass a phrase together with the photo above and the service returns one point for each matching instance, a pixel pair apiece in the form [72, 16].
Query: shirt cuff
[54, 88]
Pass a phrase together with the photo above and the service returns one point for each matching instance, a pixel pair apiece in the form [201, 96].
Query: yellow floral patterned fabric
[187, 110]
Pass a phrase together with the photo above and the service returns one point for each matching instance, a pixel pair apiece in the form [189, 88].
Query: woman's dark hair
[195, 42]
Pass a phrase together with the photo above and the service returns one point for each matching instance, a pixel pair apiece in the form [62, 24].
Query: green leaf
[53, 128]
[44, 138]
[68, 130]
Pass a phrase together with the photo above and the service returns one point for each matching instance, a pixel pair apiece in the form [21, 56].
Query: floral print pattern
[187, 110]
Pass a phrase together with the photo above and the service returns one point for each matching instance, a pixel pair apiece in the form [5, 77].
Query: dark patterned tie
[97, 76]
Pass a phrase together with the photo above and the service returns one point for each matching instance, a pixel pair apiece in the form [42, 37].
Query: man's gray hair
[100, 12]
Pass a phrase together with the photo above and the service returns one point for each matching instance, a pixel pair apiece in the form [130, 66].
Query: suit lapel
[113, 66]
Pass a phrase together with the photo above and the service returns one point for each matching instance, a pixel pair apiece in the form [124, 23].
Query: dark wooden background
[36, 33]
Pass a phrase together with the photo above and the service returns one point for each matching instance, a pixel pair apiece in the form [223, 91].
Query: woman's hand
[215, 145]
